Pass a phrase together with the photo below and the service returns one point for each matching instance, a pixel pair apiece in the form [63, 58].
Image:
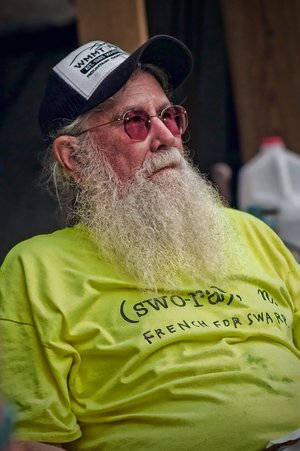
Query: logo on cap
[85, 68]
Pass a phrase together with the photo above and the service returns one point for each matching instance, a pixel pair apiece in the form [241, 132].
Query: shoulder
[42, 247]
[249, 224]
[261, 240]
[242, 217]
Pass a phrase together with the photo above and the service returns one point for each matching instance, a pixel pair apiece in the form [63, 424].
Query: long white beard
[165, 228]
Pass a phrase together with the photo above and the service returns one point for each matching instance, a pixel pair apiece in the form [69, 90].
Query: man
[159, 318]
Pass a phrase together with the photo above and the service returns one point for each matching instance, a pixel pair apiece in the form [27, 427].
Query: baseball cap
[95, 71]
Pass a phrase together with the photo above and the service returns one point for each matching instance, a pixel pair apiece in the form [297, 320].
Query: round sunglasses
[137, 122]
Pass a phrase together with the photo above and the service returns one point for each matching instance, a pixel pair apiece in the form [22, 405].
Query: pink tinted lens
[137, 124]
[175, 119]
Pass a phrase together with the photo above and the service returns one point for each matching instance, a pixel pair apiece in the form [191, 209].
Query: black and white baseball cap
[95, 71]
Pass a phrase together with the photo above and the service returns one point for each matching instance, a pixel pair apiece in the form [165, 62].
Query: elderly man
[158, 318]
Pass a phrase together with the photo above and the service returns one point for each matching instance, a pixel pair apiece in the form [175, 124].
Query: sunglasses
[137, 122]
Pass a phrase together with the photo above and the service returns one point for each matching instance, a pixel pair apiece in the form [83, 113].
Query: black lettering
[201, 323]
[181, 303]
[156, 303]
[266, 297]
[194, 295]
[259, 317]
[140, 309]
[159, 332]
[184, 325]
[148, 337]
[219, 296]
[268, 318]
[124, 316]
[93, 54]
[277, 317]
[230, 299]
[79, 64]
[171, 328]
[236, 321]
[92, 63]
[280, 318]
[249, 318]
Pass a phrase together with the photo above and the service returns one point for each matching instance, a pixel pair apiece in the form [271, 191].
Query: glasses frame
[122, 120]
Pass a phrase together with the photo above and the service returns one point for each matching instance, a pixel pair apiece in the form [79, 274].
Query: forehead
[142, 89]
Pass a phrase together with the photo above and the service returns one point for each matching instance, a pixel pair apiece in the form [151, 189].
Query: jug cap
[271, 140]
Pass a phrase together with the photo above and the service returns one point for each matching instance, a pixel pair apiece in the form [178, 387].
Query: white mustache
[169, 157]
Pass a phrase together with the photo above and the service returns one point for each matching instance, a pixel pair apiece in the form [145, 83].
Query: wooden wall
[263, 42]
[121, 22]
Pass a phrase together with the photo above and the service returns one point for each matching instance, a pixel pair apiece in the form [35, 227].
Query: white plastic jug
[269, 186]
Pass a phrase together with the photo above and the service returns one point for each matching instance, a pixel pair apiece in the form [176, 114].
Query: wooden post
[121, 22]
[263, 41]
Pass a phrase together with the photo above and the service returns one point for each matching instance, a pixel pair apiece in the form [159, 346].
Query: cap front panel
[85, 68]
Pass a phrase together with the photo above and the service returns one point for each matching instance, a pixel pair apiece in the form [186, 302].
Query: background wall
[263, 39]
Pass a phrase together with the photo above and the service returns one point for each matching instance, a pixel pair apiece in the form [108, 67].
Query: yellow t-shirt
[91, 361]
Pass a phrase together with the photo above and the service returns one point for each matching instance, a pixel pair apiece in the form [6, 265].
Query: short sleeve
[294, 286]
[34, 374]
[276, 252]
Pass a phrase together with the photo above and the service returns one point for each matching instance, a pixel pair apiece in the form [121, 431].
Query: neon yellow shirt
[91, 361]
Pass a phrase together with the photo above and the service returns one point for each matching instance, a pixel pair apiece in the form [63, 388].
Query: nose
[161, 135]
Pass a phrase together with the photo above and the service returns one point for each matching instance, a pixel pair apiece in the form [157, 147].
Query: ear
[65, 148]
